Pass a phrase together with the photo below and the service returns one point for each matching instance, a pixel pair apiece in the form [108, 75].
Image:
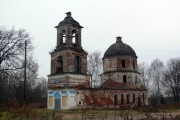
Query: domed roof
[119, 49]
[68, 19]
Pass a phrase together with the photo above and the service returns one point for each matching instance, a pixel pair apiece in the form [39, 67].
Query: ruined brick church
[69, 82]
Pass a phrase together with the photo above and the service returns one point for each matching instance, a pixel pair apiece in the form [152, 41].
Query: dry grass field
[143, 113]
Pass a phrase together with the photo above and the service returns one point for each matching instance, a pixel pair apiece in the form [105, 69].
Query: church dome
[68, 19]
[119, 49]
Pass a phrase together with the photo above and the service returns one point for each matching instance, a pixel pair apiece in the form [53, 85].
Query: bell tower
[68, 33]
[68, 56]
[68, 64]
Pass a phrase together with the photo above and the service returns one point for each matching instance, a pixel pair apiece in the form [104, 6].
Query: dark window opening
[122, 99]
[136, 81]
[139, 101]
[124, 79]
[79, 102]
[143, 97]
[127, 99]
[115, 100]
[110, 63]
[134, 98]
[76, 38]
[133, 64]
[77, 64]
[59, 67]
[123, 63]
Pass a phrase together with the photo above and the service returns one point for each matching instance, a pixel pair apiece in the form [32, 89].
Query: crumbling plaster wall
[68, 80]
[118, 76]
[68, 61]
[105, 98]
[117, 63]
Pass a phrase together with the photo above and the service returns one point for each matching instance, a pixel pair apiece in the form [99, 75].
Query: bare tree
[156, 76]
[12, 51]
[144, 69]
[12, 48]
[12, 45]
[172, 78]
[95, 67]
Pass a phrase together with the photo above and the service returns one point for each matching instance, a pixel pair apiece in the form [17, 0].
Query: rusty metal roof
[68, 19]
[119, 49]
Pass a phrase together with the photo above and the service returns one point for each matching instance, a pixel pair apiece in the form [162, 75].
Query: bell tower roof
[68, 19]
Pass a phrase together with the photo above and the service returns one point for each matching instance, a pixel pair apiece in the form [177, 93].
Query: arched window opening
[133, 64]
[122, 99]
[77, 64]
[57, 100]
[53, 66]
[110, 63]
[62, 36]
[118, 62]
[136, 80]
[59, 67]
[124, 79]
[134, 97]
[143, 97]
[139, 101]
[123, 63]
[127, 99]
[74, 36]
[115, 100]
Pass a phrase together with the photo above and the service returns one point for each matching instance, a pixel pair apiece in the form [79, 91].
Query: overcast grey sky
[150, 27]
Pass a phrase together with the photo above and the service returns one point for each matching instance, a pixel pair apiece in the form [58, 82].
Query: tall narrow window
[59, 67]
[77, 64]
[61, 37]
[122, 99]
[136, 80]
[127, 99]
[134, 97]
[123, 63]
[118, 62]
[115, 100]
[73, 38]
[143, 97]
[110, 63]
[133, 64]
[77, 39]
[64, 38]
[124, 79]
